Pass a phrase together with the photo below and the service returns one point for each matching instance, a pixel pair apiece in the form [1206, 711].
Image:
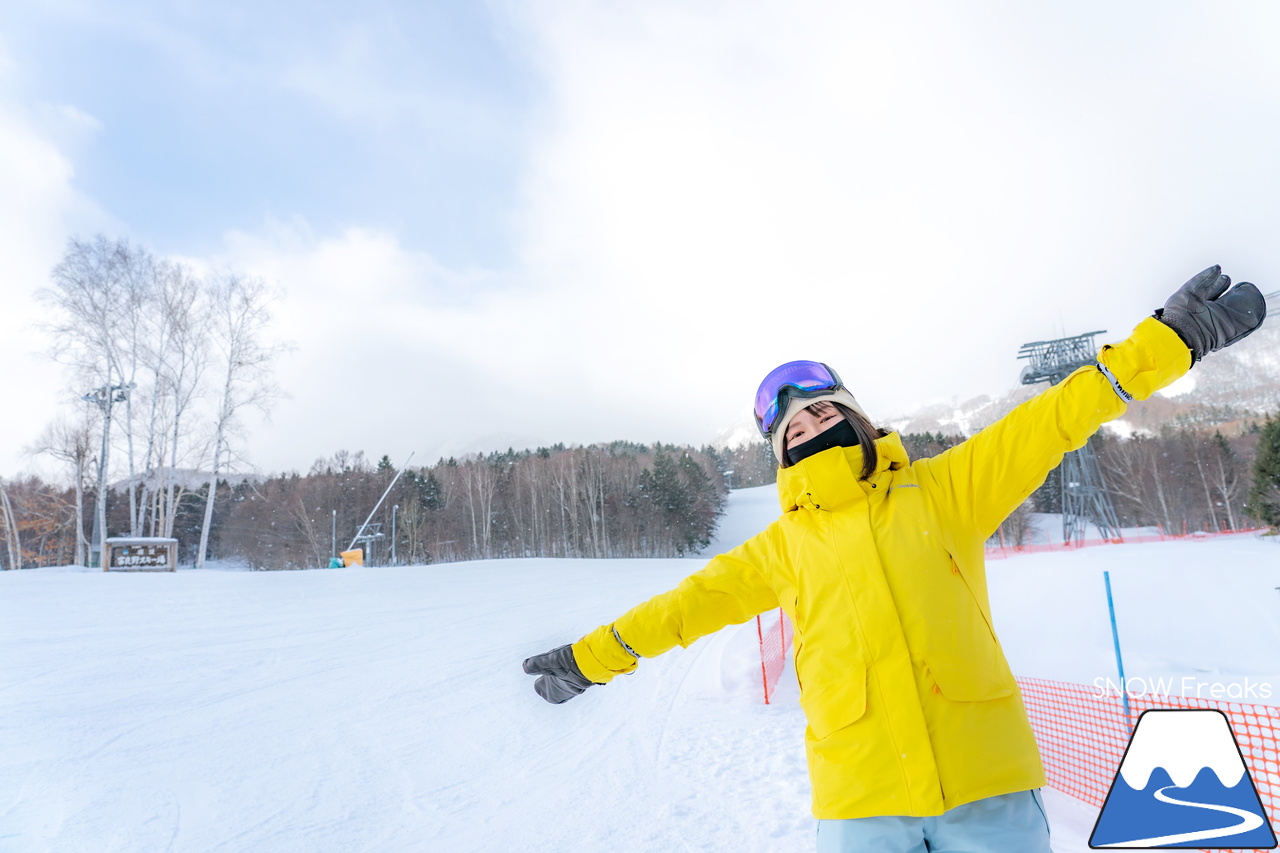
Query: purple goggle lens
[793, 379]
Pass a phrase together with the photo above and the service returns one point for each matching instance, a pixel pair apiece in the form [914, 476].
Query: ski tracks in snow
[386, 709]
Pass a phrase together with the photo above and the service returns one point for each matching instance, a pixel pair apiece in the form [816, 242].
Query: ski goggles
[794, 379]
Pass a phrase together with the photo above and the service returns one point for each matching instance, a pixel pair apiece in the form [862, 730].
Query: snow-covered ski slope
[385, 709]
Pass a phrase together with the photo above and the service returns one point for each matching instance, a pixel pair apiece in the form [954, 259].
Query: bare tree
[310, 530]
[91, 294]
[71, 441]
[594, 486]
[238, 322]
[1225, 473]
[12, 538]
[1140, 478]
[481, 484]
[180, 357]
[1194, 447]
[137, 274]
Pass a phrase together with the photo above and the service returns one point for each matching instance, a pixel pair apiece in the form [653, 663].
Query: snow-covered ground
[385, 709]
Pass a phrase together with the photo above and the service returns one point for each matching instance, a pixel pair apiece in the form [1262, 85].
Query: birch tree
[1224, 467]
[89, 297]
[70, 440]
[180, 358]
[136, 285]
[239, 317]
[12, 538]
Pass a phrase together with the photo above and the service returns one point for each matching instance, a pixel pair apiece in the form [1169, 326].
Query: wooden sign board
[140, 554]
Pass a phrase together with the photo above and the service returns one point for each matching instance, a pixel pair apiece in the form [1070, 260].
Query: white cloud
[395, 353]
[41, 208]
[908, 193]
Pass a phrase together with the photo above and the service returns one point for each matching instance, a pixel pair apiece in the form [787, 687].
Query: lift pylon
[1084, 492]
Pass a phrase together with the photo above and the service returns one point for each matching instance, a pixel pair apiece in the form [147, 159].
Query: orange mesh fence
[775, 634]
[1002, 551]
[1082, 734]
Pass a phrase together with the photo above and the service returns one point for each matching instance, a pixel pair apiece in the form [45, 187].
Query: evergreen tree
[1264, 498]
[431, 493]
[661, 485]
[705, 506]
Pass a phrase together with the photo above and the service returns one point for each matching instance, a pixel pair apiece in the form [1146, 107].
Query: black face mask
[840, 435]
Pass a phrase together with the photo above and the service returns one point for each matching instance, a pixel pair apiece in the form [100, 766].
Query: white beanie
[795, 404]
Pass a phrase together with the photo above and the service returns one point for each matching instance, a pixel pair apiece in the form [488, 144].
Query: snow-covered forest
[617, 500]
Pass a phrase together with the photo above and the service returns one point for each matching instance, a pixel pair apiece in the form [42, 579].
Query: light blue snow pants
[1009, 823]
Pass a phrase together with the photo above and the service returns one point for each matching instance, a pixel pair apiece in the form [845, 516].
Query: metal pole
[394, 509]
[764, 672]
[103, 397]
[333, 548]
[1115, 637]
[379, 503]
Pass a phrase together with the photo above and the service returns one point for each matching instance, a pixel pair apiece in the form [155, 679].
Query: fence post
[764, 673]
[1115, 637]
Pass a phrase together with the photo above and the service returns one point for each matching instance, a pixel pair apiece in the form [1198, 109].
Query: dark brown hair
[867, 434]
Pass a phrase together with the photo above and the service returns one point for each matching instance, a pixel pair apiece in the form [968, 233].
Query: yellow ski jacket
[911, 706]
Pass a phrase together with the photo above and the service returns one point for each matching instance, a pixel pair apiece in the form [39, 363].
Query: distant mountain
[740, 433]
[1227, 390]
[493, 442]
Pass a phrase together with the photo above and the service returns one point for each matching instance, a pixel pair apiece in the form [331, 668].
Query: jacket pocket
[835, 701]
[971, 681]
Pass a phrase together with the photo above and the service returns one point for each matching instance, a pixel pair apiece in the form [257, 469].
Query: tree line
[1183, 480]
[615, 500]
[612, 500]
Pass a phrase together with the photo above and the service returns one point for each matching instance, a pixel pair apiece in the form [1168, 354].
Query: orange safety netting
[1001, 552]
[774, 642]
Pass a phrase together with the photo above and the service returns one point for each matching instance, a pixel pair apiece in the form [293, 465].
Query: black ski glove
[559, 678]
[1207, 317]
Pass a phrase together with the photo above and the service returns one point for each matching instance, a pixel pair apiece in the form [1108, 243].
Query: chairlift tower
[1084, 493]
[367, 536]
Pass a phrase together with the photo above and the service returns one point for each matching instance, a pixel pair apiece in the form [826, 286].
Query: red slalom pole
[764, 673]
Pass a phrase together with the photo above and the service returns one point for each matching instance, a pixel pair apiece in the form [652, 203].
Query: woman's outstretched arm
[730, 589]
[985, 478]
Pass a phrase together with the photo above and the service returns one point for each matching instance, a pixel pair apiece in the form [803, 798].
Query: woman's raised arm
[986, 477]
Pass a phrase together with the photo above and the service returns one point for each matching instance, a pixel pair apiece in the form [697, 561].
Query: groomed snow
[385, 709]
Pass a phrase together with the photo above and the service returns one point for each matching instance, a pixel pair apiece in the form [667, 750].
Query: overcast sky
[529, 223]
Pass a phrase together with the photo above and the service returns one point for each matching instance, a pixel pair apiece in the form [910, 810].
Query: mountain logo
[1183, 783]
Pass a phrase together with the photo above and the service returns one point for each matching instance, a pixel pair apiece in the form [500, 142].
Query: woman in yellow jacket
[917, 737]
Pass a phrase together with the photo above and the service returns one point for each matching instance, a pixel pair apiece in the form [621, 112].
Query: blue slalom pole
[1115, 637]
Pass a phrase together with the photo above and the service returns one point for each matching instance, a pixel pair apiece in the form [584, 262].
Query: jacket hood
[829, 480]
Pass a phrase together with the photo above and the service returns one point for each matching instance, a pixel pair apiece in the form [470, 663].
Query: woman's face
[811, 421]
